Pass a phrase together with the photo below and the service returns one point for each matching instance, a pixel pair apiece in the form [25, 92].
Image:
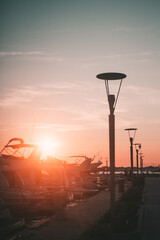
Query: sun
[48, 147]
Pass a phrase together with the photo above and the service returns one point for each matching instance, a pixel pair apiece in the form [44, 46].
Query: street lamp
[131, 134]
[137, 146]
[141, 162]
[112, 104]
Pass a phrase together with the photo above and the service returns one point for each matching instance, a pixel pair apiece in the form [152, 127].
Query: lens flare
[48, 147]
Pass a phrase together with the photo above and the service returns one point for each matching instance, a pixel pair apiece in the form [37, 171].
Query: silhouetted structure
[112, 104]
[131, 133]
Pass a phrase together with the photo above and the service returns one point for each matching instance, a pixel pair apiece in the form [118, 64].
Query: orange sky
[50, 54]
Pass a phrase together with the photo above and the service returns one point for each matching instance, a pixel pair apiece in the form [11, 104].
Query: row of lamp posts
[112, 100]
[131, 134]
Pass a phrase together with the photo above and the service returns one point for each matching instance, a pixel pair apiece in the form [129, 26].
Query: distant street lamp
[112, 104]
[141, 161]
[131, 134]
[137, 146]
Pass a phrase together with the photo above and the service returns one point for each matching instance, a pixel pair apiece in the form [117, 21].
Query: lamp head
[110, 76]
[138, 145]
[131, 132]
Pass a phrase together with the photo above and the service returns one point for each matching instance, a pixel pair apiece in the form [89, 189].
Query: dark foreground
[152, 209]
[129, 223]
[137, 217]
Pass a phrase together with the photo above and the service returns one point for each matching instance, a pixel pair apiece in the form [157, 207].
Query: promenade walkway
[79, 218]
[152, 209]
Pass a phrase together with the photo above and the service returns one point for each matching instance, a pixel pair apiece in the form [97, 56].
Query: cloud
[140, 104]
[144, 95]
[48, 58]
[67, 86]
[84, 111]
[133, 29]
[119, 55]
[32, 55]
[15, 96]
[143, 56]
[76, 118]
[52, 126]
[62, 127]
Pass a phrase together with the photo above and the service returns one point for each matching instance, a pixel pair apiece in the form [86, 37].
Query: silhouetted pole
[131, 138]
[141, 162]
[138, 146]
[137, 160]
[131, 154]
[112, 104]
[111, 100]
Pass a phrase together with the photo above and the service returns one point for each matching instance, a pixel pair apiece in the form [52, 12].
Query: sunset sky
[50, 54]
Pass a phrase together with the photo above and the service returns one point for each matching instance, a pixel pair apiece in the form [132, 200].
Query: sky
[50, 54]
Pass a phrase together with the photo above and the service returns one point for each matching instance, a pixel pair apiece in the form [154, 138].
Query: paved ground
[78, 218]
[152, 208]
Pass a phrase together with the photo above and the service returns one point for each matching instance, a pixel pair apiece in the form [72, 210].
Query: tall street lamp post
[131, 134]
[112, 100]
[137, 146]
[141, 162]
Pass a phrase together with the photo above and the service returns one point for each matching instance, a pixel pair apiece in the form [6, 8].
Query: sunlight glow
[48, 147]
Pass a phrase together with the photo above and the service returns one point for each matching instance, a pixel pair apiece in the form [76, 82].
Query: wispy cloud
[15, 96]
[133, 29]
[32, 55]
[119, 55]
[48, 58]
[74, 126]
[16, 53]
[67, 86]
[86, 112]
[62, 127]
[143, 56]
[51, 126]
[144, 95]
[140, 103]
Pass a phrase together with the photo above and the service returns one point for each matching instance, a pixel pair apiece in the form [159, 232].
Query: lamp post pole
[141, 163]
[131, 153]
[138, 146]
[131, 138]
[112, 104]
[111, 100]
[137, 160]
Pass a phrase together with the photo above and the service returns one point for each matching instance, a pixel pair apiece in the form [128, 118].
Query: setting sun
[48, 147]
